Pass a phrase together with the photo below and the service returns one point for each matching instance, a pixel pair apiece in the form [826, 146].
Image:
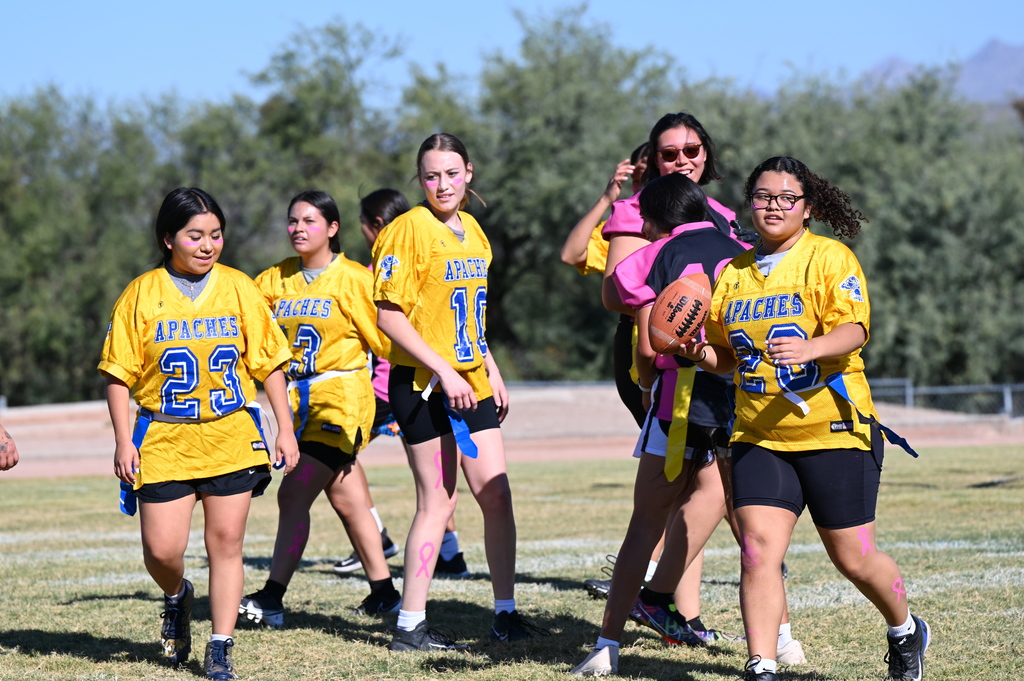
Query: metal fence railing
[1005, 399]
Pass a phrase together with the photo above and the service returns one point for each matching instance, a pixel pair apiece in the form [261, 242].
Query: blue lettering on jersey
[196, 329]
[325, 310]
[469, 268]
[852, 288]
[304, 307]
[388, 265]
[768, 307]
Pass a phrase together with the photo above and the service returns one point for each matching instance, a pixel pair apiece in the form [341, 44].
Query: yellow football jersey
[817, 286]
[438, 281]
[331, 324]
[194, 360]
[597, 253]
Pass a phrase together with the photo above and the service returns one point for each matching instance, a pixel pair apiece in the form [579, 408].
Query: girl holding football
[323, 303]
[790, 317]
[188, 338]
[430, 269]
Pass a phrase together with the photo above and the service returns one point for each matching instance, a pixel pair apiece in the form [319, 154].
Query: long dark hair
[828, 204]
[673, 200]
[177, 210]
[671, 121]
[385, 204]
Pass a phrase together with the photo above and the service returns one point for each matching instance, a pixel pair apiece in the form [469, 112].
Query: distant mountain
[992, 75]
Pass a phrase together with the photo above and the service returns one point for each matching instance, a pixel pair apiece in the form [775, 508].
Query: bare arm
[286, 449]
[8, 450]
[619, 248]
[645, 354]
[126, 456]
[840, 341]
[712, 358]
[574, 250]
[396, 326]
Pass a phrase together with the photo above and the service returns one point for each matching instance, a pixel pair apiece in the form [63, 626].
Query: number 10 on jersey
[460, 303]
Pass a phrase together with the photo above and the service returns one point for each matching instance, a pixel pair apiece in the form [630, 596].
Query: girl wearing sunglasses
[678, 143]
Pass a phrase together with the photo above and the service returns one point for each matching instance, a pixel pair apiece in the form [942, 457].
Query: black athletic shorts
[424, 421]
[622, 362]
[838, 486]
[255, 479]
[332, 457]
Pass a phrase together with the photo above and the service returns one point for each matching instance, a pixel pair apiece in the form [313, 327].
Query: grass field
[76, 602]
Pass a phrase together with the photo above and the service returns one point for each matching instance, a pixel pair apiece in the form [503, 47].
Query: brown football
[679, 312]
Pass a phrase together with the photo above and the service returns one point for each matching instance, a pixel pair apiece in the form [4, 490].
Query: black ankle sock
[650, 597]
[696, 624]
[382, 585]
[275, 590]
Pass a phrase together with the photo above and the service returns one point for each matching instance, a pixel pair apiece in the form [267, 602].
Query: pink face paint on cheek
[430, 183]
[457, 180]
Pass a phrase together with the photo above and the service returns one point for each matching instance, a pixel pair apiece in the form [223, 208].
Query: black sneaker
[176, 631]
[262, 608]
[598, 588]
[423, 637]
[219, 664]
[511, 626]
[452, 569]
[354, 563]
[380, 603]
[906, 653]
[750, 675]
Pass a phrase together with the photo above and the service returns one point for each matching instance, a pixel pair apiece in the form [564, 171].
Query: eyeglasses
[670, 154]
[761, 200]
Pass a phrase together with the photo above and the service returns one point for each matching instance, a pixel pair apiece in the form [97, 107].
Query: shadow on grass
[81, 644]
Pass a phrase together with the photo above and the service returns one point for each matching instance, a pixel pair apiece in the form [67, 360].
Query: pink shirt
[625, 218]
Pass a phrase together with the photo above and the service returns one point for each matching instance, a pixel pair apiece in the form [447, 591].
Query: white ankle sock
[380, 525]
[905, 629]
[765, 666]
[219, 637]
[450, 545]
[603, 642]
[407, 620]
[785, 635]
[504, 605]
[181, 595]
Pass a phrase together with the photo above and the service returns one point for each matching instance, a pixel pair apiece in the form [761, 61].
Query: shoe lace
[219, 654]
[517, 621]
[897, 664]
[172, 617]
[608, 570]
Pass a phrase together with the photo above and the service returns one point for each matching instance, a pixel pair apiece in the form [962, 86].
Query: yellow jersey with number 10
[438, 281]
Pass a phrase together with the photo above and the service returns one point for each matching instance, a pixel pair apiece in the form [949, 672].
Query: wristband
[643, 389]
[703, 356]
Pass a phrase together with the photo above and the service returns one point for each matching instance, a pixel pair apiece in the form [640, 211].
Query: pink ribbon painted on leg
[865, 541]
[424, 560]
[299, 538]
[307, 474]
[897, 586]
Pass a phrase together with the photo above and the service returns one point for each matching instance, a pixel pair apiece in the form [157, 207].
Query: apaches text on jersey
[767, 307]
[304, 307]
[467, 268]
[203, 327]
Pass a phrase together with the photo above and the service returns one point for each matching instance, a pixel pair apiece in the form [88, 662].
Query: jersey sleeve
[265, 346]
[845, 293]
[597, 253]
[625, 219]
[363, 312]
[400, 261]
[267, 282]
[123, 355]
[714, 329]
[631, 279]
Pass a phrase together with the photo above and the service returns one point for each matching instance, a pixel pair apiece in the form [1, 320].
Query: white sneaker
[603, 662]
[791, 653]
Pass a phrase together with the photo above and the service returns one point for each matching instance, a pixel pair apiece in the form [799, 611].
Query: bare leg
[488, 481]
[435, 502]
[875, 574]
[350, 503]
[165, 527]
[225, 533]
[765, 532]
[653, 499]
[294, 498]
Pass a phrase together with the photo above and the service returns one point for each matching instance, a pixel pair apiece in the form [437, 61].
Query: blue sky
[118, 50]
